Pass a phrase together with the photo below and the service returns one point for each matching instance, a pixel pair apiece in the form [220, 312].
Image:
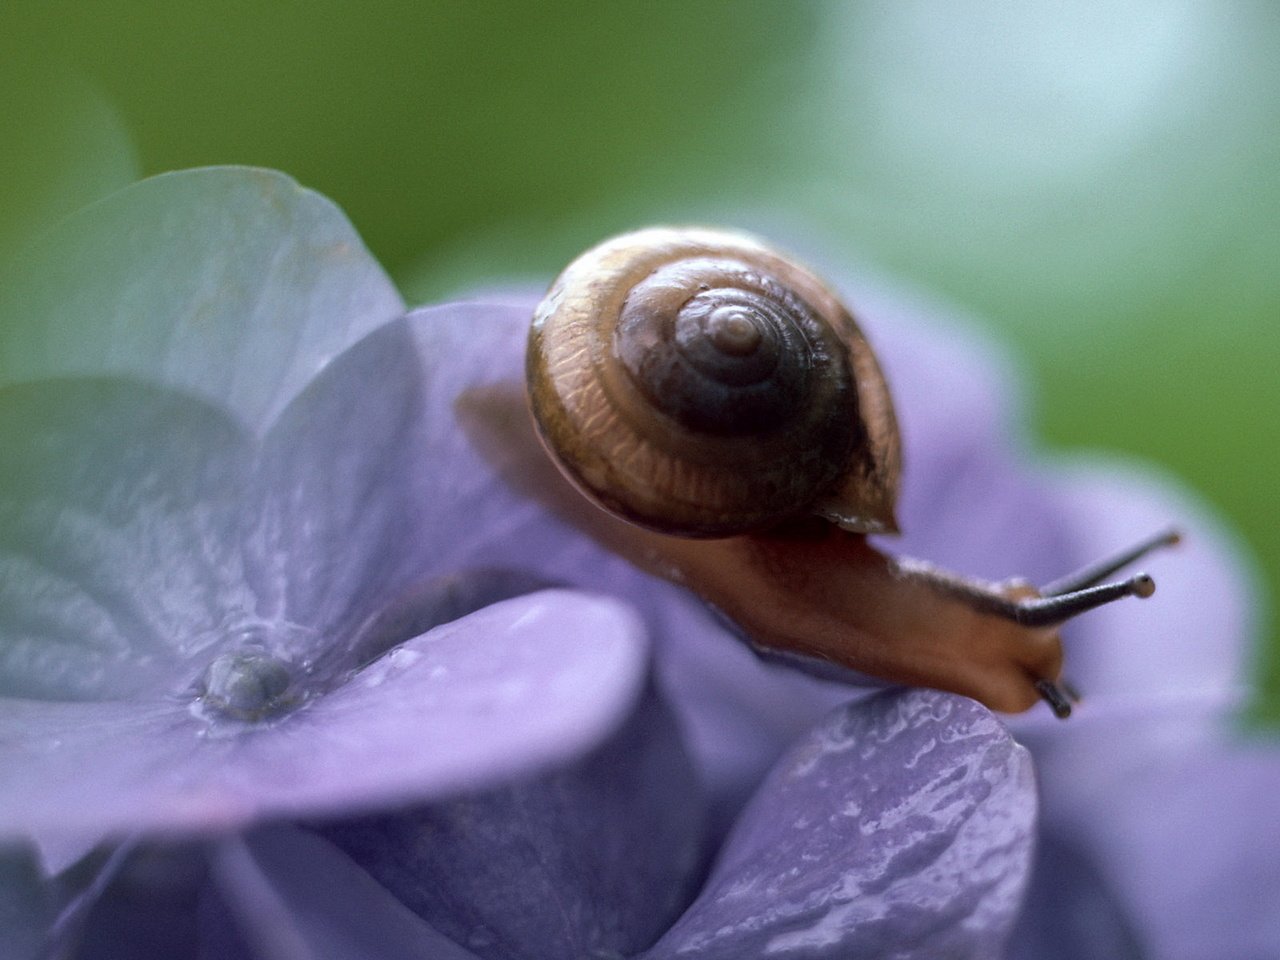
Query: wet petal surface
[899, 827]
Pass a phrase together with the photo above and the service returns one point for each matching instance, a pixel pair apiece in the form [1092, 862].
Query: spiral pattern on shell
[699, 384]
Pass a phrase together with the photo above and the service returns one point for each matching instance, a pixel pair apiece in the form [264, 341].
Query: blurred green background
[1097, 181]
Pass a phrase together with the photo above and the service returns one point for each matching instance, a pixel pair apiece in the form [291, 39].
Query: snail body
[697, 383]
[726, 410]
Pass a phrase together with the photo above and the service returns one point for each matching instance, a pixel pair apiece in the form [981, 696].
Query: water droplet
[247, 684]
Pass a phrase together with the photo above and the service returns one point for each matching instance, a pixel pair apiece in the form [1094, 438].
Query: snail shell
[699, 384]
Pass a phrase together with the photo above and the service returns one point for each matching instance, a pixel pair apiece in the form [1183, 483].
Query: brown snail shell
[700, 384]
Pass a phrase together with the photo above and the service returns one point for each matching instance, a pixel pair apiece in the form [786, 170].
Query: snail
[722, 403]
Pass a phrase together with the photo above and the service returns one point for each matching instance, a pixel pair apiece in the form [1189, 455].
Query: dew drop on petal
[258, 675]
[247, 685]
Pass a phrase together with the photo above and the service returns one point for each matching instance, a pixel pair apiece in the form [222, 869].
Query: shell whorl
[697, 383]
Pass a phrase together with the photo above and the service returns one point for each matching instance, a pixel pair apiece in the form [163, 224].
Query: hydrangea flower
[288, 669]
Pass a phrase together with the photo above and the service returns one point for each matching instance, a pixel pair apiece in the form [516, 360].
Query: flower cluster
[289, 669]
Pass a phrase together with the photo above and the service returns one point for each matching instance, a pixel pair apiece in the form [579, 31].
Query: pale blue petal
[507, 692]
[899, 827]
[119, 522]
[367, 490]
[232, 283]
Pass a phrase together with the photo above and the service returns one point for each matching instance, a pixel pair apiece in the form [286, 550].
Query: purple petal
[901, 826]
[1143, 782]
[1070, 912]
[118, 528]
[232, 283]
[283, 892]
[507, 692]
[1179, 821]
[1190, 642]
[593, 860]
[137, 903]
[343, 528]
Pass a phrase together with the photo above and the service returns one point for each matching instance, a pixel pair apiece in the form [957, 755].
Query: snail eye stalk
[1095, 573]
[1077, 593]
[1051, 610]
